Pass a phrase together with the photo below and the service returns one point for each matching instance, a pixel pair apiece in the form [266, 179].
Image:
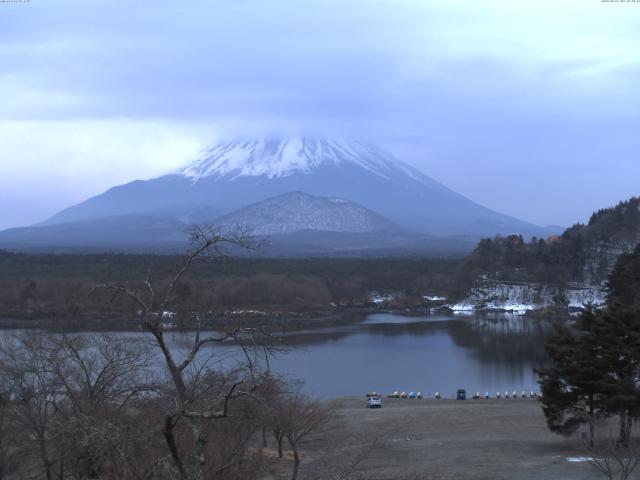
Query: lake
[387, 352]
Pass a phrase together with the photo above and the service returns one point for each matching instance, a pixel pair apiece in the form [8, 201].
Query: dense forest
[62, 286]
[583, 253]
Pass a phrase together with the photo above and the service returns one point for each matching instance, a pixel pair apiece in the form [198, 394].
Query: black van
[461, 394]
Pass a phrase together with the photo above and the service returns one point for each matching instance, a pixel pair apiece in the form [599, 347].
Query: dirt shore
[448, 439]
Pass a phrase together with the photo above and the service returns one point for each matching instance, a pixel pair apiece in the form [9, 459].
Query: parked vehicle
[374, 402]
[461, 394]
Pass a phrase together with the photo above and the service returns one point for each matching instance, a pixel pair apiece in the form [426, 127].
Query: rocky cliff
[522, 297]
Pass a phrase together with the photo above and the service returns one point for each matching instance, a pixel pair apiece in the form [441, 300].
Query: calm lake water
[388, 352]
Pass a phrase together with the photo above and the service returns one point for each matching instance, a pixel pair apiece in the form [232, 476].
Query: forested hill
[582, 254]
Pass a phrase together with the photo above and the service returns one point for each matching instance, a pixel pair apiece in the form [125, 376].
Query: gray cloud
[518, 107]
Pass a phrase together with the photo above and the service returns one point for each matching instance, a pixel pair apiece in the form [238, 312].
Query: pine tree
[619, 333]
[595, 367]
[573, 388]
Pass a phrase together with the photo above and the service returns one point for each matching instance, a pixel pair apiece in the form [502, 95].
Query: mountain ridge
[314, 226]
[233, 175]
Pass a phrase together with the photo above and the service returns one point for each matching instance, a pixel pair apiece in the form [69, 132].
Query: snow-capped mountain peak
[234, 175]
[274, 158]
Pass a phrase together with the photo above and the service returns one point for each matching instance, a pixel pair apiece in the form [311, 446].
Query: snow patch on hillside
[520, 298]
[434, 298]
[380, 298]
[577, 298]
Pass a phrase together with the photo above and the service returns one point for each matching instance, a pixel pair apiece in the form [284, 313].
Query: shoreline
[292, 321]
[289, 321]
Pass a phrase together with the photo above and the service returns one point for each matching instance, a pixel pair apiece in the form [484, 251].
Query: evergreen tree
[573, 387]
[619, 333]
[596, 363]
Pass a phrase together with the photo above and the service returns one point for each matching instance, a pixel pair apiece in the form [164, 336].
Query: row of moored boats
[460, 395]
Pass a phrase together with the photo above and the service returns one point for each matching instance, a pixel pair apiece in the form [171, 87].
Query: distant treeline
[582, 253]
[62, 286]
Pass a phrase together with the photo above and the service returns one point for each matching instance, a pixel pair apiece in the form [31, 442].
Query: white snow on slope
[521, 297]
[516, 308]
[275, 158]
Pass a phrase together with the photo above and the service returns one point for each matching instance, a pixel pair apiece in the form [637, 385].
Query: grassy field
[448, 439]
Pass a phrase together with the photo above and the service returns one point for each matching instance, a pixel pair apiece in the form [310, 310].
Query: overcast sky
[530, 108]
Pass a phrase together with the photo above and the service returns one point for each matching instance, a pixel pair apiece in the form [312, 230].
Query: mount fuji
[234, 175]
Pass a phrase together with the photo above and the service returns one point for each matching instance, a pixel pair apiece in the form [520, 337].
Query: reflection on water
[391, 319]
[388, 352]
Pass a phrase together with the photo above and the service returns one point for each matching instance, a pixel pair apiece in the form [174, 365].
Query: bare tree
[198, 393]
[32, 391]
[100, 376]
[340, 461]
[99, 370]
[8, 457]
[63, 397]
[301, 416]
[613, 459]
[96, 406]
[274, 414]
